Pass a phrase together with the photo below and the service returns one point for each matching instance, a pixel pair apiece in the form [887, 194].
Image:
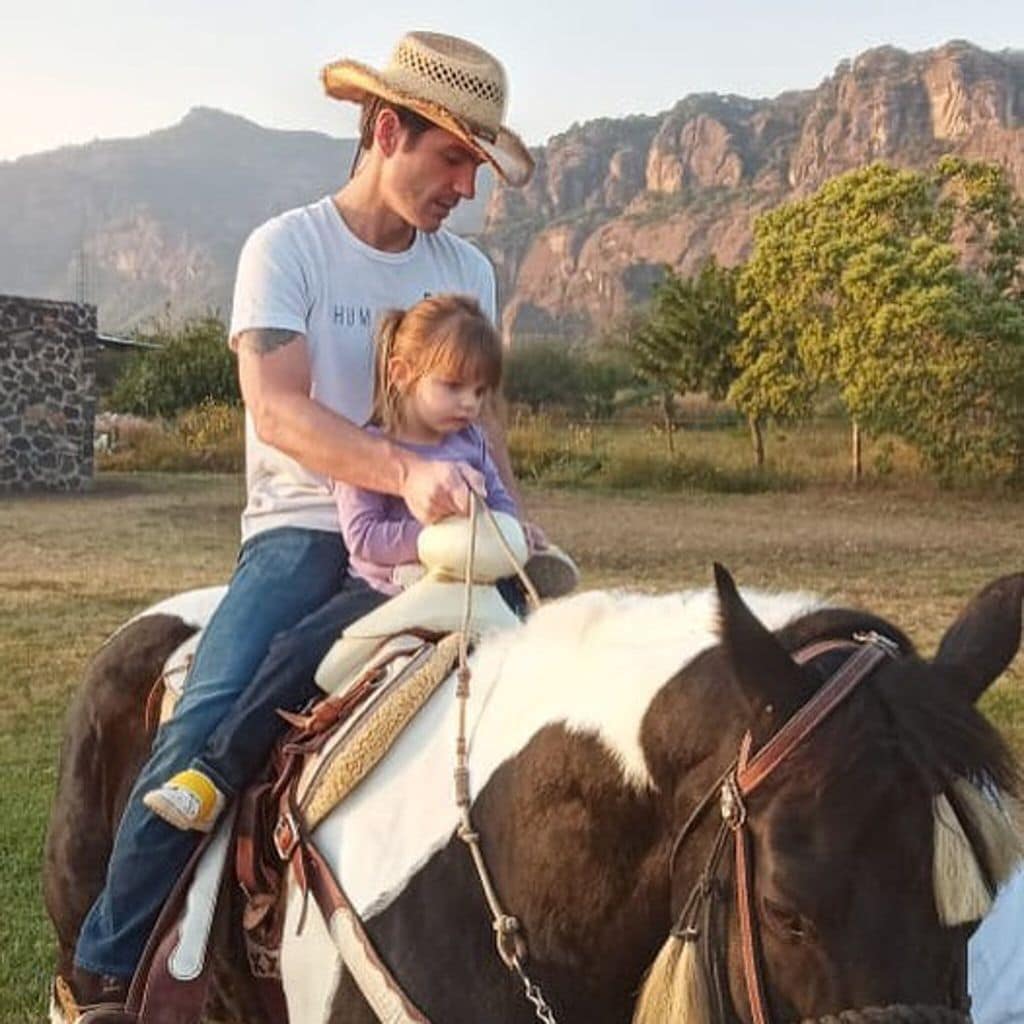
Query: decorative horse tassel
[676, 988]
[1002, 845]
[961, 892]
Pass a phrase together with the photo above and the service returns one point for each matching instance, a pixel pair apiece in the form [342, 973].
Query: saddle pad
[350, 755]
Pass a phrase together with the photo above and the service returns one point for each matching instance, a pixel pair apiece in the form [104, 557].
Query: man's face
[425, 177]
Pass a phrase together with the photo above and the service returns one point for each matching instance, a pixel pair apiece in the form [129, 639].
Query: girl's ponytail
[385, 394]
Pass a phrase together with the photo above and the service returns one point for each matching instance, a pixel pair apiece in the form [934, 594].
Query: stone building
[47, 394]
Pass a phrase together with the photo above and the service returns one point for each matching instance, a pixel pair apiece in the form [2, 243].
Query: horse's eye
[786, 923]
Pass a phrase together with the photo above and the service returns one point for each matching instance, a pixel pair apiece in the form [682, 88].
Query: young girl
[436, 364]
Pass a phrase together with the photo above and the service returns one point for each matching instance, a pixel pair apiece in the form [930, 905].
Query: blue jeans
[282, 576]
[238, 748]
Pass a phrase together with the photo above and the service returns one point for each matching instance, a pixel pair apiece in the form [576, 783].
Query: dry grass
[708, 456]
[73, 568]
[915, 560]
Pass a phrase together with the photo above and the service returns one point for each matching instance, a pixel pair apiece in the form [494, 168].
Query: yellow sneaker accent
[189, 800]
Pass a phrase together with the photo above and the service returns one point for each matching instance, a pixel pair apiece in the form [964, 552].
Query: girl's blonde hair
[440, 334]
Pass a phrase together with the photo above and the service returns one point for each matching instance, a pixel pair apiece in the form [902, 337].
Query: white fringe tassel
[1002, 843]
[961, 894]
[675, 988]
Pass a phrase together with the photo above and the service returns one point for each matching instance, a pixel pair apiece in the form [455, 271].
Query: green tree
[603, 374]
[193, 364]
[859, 288]
[994, 216]
[583, 380]
[689, 338]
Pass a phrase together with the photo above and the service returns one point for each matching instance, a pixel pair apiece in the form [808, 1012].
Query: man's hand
[436, 490]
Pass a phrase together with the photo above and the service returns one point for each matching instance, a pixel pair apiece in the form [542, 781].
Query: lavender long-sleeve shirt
[379, 530]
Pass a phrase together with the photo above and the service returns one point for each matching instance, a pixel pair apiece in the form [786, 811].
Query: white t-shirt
[306, 271]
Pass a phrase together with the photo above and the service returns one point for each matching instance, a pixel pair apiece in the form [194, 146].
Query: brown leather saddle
[325, 755]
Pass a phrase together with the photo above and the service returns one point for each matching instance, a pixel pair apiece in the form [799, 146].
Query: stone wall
[47, 394]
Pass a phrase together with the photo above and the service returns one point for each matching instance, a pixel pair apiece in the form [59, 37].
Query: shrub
[658, 472]
[209, 437]
[194, 364]
[585, 381]
[541, 374]
[211, 425]
[554, 454]
[543, 454]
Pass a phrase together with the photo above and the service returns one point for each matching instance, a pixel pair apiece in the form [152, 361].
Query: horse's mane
[612, 617]
[944, 734]
[927, 720]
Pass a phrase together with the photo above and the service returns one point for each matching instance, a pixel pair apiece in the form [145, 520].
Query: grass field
[74, 567]
[550, 450]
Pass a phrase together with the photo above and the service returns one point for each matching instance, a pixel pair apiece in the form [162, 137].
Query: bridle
[696, 922]
[866, 651]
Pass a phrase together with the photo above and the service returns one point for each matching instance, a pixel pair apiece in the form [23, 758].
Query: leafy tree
[860, 288]
[193, 364]
[688, 341]
[994, 216]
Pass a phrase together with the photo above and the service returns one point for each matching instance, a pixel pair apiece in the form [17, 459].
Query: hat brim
[505, 152]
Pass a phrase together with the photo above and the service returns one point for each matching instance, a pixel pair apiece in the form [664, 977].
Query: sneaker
[552, 572]
[189, 800]
[89, 997]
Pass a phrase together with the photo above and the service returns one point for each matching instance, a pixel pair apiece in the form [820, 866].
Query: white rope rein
[509, 940]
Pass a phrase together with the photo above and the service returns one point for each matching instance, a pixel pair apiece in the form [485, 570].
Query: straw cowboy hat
[452, 83]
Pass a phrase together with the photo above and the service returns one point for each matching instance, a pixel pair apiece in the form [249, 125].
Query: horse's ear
[760, 665]
[985, 637]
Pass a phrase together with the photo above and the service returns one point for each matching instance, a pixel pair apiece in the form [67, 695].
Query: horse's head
[868, 849]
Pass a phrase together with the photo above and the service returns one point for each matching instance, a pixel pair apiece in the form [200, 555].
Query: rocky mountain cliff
[614, 201]
[158, 220]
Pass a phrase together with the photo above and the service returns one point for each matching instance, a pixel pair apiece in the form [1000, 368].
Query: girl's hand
[435, 490]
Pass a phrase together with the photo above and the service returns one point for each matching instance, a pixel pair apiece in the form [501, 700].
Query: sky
[71, 71]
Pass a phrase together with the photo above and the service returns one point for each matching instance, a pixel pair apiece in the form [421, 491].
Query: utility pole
[82, 274]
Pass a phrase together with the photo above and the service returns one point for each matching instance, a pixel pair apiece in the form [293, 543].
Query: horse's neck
[700, 722]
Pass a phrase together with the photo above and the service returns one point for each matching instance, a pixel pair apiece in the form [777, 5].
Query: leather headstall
[695, 922]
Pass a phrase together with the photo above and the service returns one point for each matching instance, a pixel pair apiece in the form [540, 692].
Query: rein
[508, 936]
[743, 777]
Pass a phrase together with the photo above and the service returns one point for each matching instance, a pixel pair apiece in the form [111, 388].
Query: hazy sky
[71, 70]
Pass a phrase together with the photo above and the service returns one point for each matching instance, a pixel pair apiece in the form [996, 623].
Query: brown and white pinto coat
[594, 731]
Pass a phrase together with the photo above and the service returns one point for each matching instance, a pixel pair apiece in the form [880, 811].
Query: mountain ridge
[160, 217]
[613, 202]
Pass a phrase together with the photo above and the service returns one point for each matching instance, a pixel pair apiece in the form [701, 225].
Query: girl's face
[439, 404]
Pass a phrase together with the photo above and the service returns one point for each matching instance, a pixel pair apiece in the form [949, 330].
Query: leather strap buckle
[734, 811]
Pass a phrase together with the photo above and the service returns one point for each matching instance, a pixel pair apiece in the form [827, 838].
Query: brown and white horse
[595, 730]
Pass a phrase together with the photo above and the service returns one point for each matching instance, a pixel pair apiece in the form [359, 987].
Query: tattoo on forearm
[265, 339]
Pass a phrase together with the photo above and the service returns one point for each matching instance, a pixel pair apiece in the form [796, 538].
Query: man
[310, 285]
